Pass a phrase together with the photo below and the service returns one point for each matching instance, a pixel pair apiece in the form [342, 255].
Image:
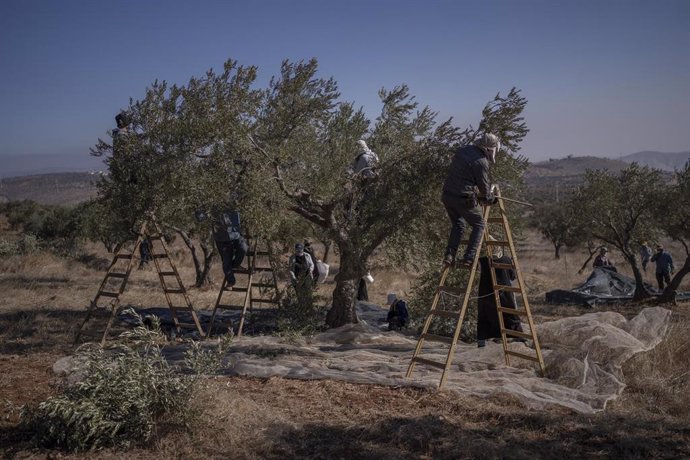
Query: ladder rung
[502, 266]
[497, 243]
[429, 362]
[123, 256]
[263, 285]
[262, 269]
[452, 290]
[522, 355]
[512, 311]
[229, 307]
[109, 294]
[236, 289]
[513, 333]
[445, 313]
[155, 237]
[495, 220]
[175, 291]
[167, 273]
[503, 287]
[117, 275]
[159, 256]
[437, 338]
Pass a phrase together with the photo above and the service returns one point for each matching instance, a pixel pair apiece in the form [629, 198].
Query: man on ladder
[469, 170]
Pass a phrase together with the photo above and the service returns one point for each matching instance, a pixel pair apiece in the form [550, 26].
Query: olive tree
[306, 137]
[620, 210]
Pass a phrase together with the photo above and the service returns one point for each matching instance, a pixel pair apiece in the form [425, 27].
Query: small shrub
[9, 248]
[29, 244]
[299, 315]
[123, 395]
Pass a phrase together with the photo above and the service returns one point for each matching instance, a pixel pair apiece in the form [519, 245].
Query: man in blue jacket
[664, 266]
[468, 171]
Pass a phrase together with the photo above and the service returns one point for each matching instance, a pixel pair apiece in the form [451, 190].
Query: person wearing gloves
[365, 162]
[664, 266]
[469, 171]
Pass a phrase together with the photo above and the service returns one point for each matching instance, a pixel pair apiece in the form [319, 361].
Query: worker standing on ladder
[469, 171]
[231, 244]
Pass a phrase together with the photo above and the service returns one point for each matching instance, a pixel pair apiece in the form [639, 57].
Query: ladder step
[109, 294]
[495, 220]
[229, 307]
[513, 333]
[175, 291]
[502, 287]
[445, 313]
[522, 355]
[167, 273]
[123, 256]
[117, 275]
[497, 243]
[429, 362]
[497, 265]
[262, 269]
[512, 311]
[438, 338]
[236, 289]
[155, 237]
[159, 256]
[452, 290]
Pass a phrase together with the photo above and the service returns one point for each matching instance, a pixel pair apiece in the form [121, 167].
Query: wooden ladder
[116, 277]
[257, 285]
[498, 226]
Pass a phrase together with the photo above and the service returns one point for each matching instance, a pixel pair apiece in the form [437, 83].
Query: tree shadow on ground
[517, 436]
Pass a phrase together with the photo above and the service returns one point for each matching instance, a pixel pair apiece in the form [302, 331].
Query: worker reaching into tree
[469, 171]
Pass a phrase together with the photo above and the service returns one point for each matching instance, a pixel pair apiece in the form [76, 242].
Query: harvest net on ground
[584, 356]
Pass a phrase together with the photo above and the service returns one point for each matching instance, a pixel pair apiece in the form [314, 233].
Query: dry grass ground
[43, 298]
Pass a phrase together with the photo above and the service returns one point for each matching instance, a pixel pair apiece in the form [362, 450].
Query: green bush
[123, 395]
[8, 248]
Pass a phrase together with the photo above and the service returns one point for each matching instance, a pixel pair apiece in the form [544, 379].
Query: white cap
[363, 144]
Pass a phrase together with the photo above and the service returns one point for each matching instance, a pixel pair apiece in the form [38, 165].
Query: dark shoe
[230, 277]
[481, 343]
[467, 263]
[448, 260]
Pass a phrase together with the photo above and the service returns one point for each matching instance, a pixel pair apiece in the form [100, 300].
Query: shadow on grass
[48, 329]
[528, 436]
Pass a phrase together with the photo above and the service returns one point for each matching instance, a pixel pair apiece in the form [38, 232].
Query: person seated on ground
[488, 325]
[602, 260]
[664, 266]
[231, 245]
[398, 315]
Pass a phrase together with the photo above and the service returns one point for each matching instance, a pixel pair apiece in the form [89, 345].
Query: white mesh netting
[583, 357]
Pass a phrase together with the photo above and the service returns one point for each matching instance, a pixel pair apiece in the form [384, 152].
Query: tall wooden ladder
[256, 285]
[120, 269]
[496, 225]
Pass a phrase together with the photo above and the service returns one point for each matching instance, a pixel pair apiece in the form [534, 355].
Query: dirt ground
[43, 299]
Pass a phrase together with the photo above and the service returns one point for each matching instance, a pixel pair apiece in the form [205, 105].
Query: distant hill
[24, 165]
[60, 188]
[659, 160]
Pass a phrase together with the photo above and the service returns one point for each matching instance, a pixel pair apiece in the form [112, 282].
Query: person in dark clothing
[231, 245]
[398, 315]
[488, 325]
[468, 170]
[664, 266]
[144, 252]
[301, 269]
[602, 260]
[362, 291]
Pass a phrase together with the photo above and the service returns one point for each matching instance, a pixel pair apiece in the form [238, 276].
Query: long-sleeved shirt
[300, 265]
[469, 168]
[664, 262]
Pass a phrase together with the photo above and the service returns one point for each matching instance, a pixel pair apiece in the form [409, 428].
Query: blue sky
[602, 77]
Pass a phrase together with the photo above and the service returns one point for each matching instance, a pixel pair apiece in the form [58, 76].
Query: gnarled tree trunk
[669, 294]
[344, 308]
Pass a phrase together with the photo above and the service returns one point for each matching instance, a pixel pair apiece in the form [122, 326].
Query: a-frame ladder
[117, 275]
[257, 284]
[495, 225]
